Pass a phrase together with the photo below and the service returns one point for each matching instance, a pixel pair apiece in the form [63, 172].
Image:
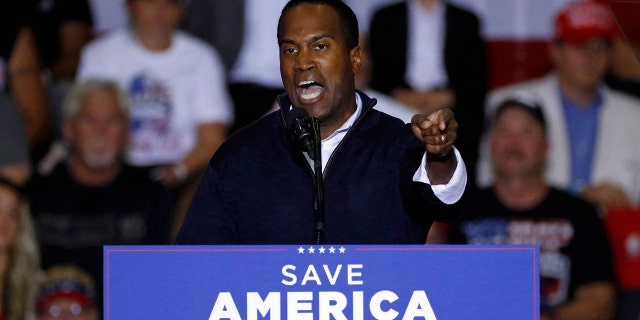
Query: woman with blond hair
[19, 257]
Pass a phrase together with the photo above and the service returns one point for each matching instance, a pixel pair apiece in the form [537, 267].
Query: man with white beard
[92, 198]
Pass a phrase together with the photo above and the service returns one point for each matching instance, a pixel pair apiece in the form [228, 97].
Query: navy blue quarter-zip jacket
[259, 189]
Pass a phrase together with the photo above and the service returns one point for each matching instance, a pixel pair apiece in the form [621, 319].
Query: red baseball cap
[581, 21]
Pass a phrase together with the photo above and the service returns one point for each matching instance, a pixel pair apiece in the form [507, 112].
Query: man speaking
[380, 181]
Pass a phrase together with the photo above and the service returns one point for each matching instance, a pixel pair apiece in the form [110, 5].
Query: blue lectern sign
[321, 282]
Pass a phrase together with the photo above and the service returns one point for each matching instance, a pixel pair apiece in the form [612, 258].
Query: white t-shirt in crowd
[172, 91]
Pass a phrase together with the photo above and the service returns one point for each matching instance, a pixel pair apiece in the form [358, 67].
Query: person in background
[386, 103]
[180, 110]
[429, 54]
[592, 131]
[66, 292]
[15, 162]
[61, 29]
[243, 33]
[220, 23]
[253, 79]
[91, 197]
[19, 257]
[591, 128]
[577, 278]
[21, 85]
[384, 181]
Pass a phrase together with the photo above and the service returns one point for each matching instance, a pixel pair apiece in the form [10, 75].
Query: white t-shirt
[172, 91]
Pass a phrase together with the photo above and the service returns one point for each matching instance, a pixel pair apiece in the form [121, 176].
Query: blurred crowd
[105, 134]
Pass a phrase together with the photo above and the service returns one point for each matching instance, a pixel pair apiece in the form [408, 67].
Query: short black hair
[533, 109]
[347, 17]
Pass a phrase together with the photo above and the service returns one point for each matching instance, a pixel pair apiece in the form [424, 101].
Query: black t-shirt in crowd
[74, 221]
[574, 248]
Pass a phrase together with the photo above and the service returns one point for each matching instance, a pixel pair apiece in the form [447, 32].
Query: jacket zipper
[349, 133]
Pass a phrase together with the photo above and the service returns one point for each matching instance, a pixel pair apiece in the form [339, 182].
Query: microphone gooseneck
[305, 133]
[319, 233]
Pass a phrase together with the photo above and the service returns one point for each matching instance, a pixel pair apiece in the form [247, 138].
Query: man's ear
[356, 59]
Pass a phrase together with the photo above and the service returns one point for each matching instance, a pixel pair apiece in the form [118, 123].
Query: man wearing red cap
[592, 129]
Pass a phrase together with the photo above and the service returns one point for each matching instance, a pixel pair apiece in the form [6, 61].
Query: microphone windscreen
[296, 113]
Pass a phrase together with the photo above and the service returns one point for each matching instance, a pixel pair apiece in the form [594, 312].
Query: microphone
[305, 133]
[301, 130]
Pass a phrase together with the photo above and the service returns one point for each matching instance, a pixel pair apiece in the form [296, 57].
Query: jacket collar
[285, 103]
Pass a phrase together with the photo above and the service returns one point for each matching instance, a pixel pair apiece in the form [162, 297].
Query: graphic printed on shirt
[551, 235]
[151, 114]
